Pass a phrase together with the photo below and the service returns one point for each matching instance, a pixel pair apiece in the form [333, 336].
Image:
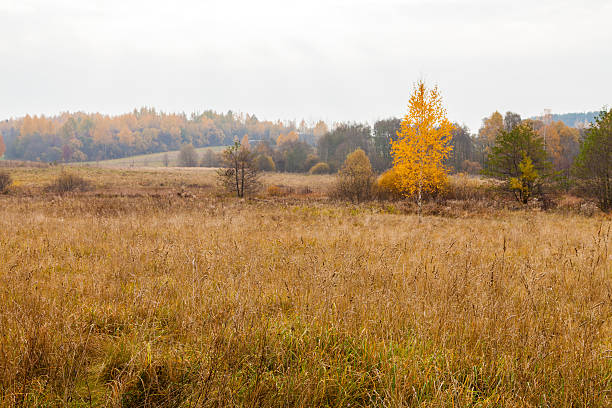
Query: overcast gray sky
[333, 59]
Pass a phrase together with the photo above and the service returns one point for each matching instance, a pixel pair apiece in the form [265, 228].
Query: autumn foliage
[239, 174]
[422, 145]
[287, 138]
[73, 137]
[593, 165]
[355, 178]
[388, 184]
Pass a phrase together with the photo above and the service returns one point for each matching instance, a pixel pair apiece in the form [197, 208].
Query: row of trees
[79, 136]
[292, 148]
[526, 153]
[418, 149]
[531, 157]
[469, 152]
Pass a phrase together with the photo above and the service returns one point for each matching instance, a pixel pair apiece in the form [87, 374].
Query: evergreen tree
[515, 152]
[594, 162]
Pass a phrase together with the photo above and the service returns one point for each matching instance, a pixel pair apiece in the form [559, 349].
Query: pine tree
[594, 163]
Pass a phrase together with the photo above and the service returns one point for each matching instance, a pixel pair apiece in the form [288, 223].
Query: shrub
[355, 178]
[320, 168]
[471, 167]
[188, 157]
[67, 182]
[387, 186]
[295, 155]
[526, 183]
[239, 174]
[469, 188]
[263, 162]
[210, 159]
[311, 161]
[5, 182]
[279, 191]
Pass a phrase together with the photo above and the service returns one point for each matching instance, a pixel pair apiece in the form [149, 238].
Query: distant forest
[283, 146]
[577, 119]
[74, 137]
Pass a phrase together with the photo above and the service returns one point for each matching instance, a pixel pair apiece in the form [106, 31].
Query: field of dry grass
[134, 294]
[154, 180]
[154, 160]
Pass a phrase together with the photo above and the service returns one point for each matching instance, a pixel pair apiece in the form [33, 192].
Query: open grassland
[153, 181]
[152, 159]
[134, 294]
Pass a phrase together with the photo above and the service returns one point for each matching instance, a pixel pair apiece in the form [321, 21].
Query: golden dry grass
[157, 300]
[32, 181]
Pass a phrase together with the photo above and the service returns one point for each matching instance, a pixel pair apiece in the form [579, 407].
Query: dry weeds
[156, 300]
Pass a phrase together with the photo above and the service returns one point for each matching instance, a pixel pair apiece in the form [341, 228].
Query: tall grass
[128, 300]
[5, 181]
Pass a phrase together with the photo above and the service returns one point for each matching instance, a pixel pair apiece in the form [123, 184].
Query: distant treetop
[79, 136]
[575, 119]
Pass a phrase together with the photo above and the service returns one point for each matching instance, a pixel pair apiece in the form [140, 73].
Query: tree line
[420, 150]
[75, 137]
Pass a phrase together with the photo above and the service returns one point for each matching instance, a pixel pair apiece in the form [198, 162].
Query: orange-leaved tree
[2, 146]
[423, 143]
[245, 142]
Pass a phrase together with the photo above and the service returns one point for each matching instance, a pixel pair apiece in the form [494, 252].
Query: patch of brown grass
[156, 299]
[21, 163]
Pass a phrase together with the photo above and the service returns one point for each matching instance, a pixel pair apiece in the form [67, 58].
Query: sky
[336, 60]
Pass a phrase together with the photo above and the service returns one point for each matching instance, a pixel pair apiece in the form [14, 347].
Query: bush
[239, 173]
[188, 157]
[320, 168]
[210, 159]
[68, 182]
[462, 187]
[387, 186]
[279, 191]
[5, 182]
[471, 167]
[311, 161]
[263, 162]
[355, 178]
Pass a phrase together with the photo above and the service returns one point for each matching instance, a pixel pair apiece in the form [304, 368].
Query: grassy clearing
[196, 181]
[150, 160]
[153, 299]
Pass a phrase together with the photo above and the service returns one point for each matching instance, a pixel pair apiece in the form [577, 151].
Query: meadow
[153, 288]
[151, 159]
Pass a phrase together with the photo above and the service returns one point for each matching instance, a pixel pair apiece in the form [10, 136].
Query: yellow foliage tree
[562, 144]
[320, 129]
[489, 130]
[288, 138]
[245, 142]
[423, 143]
